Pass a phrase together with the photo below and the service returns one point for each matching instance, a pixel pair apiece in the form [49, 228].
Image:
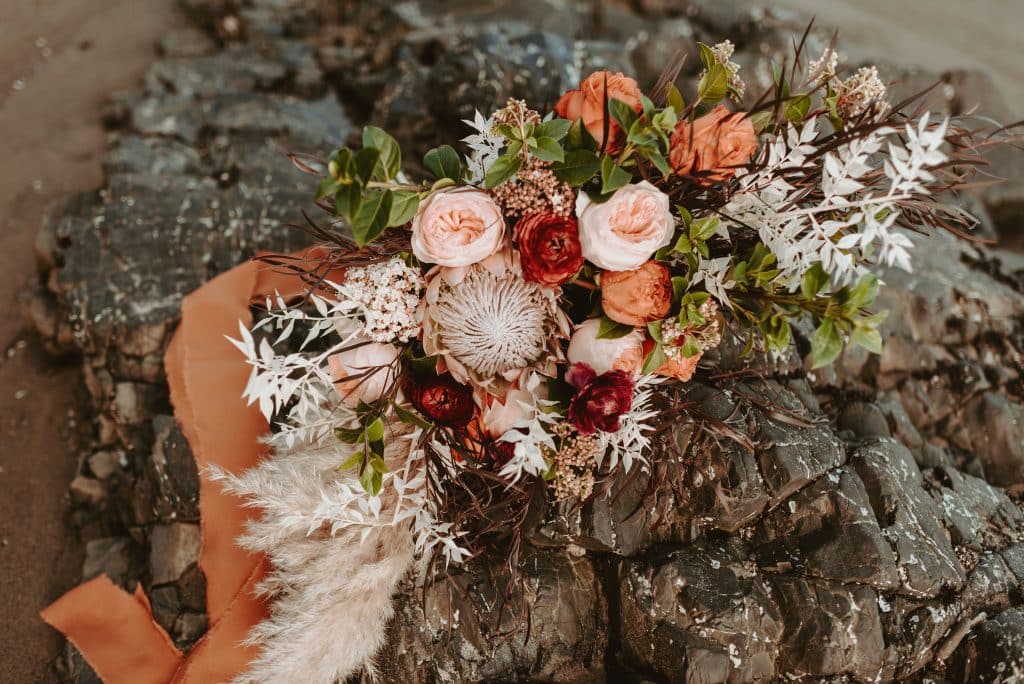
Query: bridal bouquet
[512, 318]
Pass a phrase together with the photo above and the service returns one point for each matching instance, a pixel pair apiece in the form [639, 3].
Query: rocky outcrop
[855, 523]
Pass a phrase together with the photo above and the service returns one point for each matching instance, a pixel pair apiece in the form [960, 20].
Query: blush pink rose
[364, 373]
[498, 415]
[457, 227]
[623, 232]
[624, 353]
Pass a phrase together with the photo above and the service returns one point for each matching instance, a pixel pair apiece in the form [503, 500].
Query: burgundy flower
[549, 248]
[601, 400]
[441, 399]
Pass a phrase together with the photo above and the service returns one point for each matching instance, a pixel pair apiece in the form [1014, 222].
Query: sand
[58, 60]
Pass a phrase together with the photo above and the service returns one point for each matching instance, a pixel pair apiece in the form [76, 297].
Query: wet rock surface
[856, 523]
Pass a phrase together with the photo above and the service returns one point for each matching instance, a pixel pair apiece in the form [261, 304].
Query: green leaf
[623, 113]
[349, 435]
[390, 161]
[375, 430]
[342, 165]
[444, 162]
[675, 99]
[713, 85]
[869, 338]
[501, 170]
[549, 150]
[378, 464]
[613, 176]
[423, 364]
[372, 217]
[797, 108]
[410, 418]
[577, 168]
[761, 120]
[826, 343]
[348, 199]
[366, 163]
[690, 347]
[660, 163]
[328, 188]
[611, 330]
[679, 287]
[707, 55]
[864, 292]
[654, 360]
[404, 204]
[554, 128]
[579, 137]
[814, 281]
[353, 461]
[371, 480]
[703, 229]
[654, 328]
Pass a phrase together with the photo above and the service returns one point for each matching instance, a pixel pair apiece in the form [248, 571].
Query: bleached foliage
[853, 213]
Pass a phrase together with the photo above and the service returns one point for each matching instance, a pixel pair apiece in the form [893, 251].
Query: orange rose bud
[713, 145]
[639, 296]
[588, 103]
[680, 368]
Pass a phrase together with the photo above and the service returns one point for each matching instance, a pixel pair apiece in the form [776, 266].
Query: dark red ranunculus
[441, 399]
[600, 400]
[549, 248]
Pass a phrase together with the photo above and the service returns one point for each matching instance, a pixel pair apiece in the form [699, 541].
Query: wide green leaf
[548, 149]
[611, 330]
[404, 204]
[501, 170]
[444, 162]
[372, 217]
[577, 168]
[613, 176]
[554, 128]
[713, 85]
[390, 161]
[826, 343]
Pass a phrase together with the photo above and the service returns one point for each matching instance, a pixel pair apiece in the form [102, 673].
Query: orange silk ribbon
[115, 630]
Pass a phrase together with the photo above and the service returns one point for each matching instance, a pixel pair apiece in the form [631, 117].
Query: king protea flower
[489, 325]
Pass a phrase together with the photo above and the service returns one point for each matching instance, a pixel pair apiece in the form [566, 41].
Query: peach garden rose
[623, 232]
[457, 227]
[638, 296]
[714, 144]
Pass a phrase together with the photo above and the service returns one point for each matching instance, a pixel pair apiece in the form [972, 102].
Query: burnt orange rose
[639, 296]
[713, 145]
[589, 103]
[676, 366]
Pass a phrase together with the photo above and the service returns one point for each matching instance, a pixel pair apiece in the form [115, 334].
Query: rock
[173, 548]
[830, 628]
[105, 464]
[828, 530]
[172, 470]
[701, 614]
[864, 420]
[463, 630]
[995, 650]
[977, 515]
[85, 490]
[996, 426]
[909, 519]
[115, 557]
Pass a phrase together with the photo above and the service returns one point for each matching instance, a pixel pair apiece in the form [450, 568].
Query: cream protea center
[493, 324]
